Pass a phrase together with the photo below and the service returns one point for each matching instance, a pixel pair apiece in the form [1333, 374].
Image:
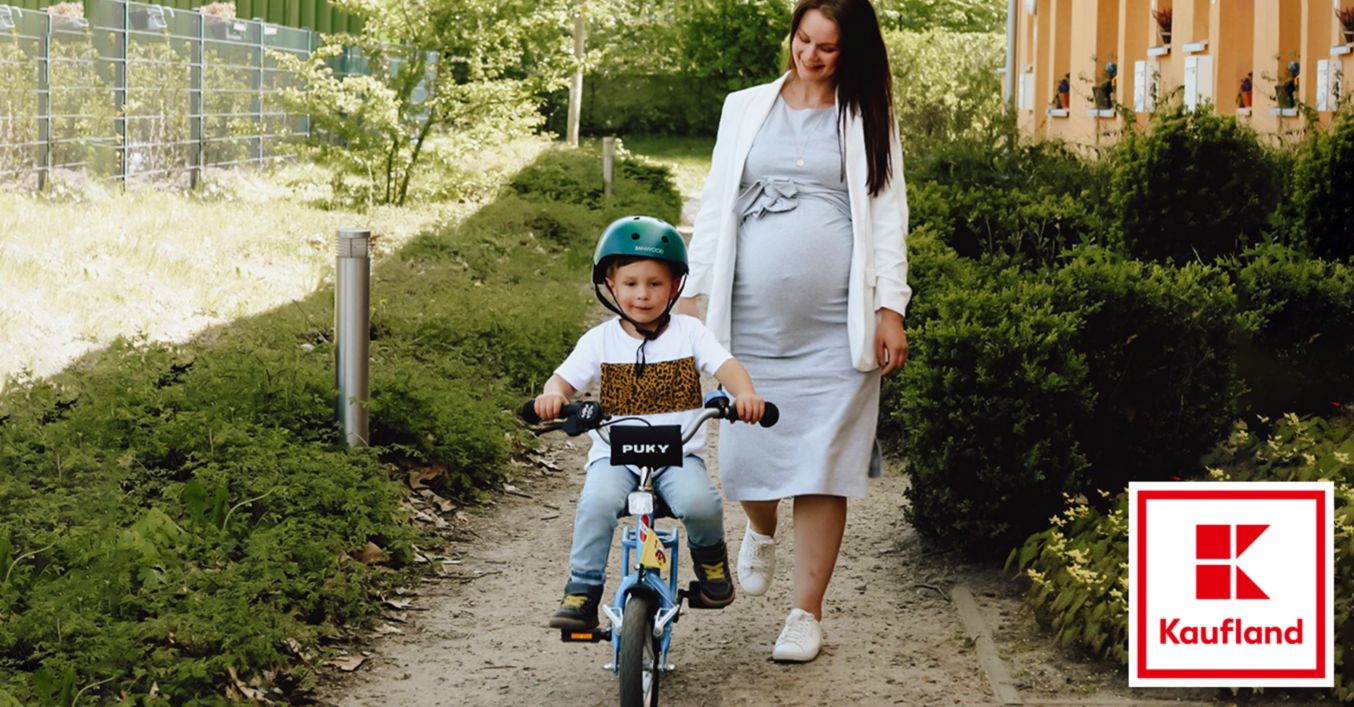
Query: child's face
[643, 289]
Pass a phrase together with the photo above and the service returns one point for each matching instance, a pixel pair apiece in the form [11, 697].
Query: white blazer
[878, 276]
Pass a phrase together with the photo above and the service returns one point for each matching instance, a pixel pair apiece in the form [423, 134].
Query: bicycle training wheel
[639, 654]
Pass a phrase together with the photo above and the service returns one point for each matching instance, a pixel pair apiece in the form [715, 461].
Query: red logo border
[1319, 672]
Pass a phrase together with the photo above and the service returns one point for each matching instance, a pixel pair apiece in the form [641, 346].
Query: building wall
[1214, 45]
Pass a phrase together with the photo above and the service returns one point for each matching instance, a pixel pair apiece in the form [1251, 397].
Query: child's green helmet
[639, 237]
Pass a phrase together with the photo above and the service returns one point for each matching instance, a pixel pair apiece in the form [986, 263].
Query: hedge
[1078, 567]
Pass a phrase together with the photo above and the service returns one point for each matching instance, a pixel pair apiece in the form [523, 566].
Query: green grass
[181, 519]
[687, 157]
[165, 266]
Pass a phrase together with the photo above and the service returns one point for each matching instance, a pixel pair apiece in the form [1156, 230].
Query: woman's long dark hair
[864, 82]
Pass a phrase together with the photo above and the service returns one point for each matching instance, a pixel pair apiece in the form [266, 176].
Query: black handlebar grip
[770, 416]
[528, 412]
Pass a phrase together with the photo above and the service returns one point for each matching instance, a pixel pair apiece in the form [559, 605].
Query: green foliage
[1030, 203]
[431, 70]
[991, 386]
[1195, 186]
[969, 16]
[18, 104]
[665, 67]
[623, 104]
[1025, 385]
[945, 87]
[1159, 345]
[180, 515]
[1319, 204]
[577, 180]
[1078, 567]
[1078, 573]
[734, 41]
[159, 131]
[1299, 315]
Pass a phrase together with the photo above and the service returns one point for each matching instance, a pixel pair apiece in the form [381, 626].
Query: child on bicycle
[649, 363]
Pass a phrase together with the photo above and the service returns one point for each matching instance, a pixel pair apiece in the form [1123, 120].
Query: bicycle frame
[646, 553]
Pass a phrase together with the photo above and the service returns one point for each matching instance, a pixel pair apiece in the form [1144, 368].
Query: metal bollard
[352, 323]
[609, 165]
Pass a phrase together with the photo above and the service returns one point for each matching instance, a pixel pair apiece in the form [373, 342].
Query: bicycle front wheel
[639, 654]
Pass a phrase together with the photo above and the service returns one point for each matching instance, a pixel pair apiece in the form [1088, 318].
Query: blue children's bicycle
[647, 602]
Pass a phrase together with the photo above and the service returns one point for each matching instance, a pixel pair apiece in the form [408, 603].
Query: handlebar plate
[644, 446]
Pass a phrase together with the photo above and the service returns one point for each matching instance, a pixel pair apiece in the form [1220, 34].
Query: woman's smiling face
[814, 47]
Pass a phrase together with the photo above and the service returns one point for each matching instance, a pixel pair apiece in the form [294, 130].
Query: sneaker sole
[572, 624]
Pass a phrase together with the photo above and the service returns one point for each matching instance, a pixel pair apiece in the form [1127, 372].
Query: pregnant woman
[799, 245]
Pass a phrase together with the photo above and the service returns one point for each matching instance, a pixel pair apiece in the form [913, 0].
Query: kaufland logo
[1231, 584]
[1213, 579]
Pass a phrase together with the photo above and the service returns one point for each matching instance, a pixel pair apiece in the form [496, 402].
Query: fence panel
[141, 91]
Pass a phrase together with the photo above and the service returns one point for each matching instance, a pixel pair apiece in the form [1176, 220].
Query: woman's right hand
[549, 404]
[687, 306]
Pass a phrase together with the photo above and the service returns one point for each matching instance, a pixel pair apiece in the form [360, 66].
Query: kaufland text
[1232, 631]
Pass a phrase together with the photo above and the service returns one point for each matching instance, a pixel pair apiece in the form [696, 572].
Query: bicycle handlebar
[577, 418]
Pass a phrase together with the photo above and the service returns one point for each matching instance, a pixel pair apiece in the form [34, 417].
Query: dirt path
[477, 636]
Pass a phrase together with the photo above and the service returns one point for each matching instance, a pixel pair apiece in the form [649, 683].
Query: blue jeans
[686, 488]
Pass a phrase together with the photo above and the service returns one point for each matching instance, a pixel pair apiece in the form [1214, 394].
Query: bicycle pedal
[594, 635]
[692, 594]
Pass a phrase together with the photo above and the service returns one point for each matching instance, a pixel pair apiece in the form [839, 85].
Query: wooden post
[609, 165]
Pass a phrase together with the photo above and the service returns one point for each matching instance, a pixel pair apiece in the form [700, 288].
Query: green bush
[1159, 344]
[1319, 202]
[576, 179]
[1299, 314]
[1078, 567]
[1030, 203]
[945, 87]
[1195, 186]
[1078, 574]
[989, 391]
[931, 265]
[176, 513]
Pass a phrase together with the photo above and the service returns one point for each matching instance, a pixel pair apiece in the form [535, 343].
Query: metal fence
[141, 91]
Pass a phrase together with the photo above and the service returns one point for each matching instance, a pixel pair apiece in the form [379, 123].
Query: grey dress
[789, 319]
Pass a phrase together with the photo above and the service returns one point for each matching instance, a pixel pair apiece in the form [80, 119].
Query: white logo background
[1282, 562]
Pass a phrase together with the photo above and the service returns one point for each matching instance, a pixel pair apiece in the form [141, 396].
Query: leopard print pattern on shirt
[666, 386]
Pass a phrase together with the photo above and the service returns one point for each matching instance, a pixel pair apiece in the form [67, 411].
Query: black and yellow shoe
[712, 575]
[578, 610]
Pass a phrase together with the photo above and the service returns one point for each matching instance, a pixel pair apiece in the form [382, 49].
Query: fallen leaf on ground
[371, 554]
[348, 663]
[418, 478]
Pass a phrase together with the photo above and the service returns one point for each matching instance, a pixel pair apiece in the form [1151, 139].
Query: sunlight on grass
[689, 157]
[75, 276]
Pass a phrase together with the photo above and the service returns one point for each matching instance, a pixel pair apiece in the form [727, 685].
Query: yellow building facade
[1084, 67]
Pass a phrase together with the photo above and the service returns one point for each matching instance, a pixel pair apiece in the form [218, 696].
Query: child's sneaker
[578, 610]
[801, 638]
[712, 575]
[756, 562]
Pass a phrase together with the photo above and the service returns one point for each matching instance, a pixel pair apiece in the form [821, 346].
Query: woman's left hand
[890, 342]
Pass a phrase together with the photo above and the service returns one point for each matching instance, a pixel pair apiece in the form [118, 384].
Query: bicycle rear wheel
[639, 654]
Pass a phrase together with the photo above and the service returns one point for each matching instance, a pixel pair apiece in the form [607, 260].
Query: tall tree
[433, 65]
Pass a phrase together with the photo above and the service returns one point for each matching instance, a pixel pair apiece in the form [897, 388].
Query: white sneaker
[801, 638]
[756, 562]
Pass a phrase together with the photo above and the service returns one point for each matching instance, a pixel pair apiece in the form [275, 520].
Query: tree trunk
[576, 85]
